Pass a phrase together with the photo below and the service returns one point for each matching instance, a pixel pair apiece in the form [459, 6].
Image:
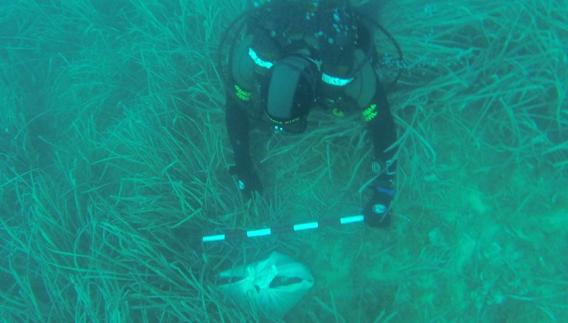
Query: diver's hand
[247, 180]
[378, 210]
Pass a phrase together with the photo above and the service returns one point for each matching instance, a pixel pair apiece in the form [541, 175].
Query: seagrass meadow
[114, 157]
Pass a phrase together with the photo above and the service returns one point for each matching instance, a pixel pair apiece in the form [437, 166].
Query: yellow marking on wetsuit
[338, 112]
[370, 113]
[242, 94]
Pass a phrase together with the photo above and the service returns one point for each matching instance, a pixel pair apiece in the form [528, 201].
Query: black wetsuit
[331, 37]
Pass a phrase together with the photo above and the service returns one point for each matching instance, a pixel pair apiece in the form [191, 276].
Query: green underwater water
[114, 158]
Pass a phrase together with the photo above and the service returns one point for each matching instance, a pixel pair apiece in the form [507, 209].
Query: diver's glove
[378, 210]
[247, 180]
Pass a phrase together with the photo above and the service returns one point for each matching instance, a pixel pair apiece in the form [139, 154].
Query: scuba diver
[294, 56]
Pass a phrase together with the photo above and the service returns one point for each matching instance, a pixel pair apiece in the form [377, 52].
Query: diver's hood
[291, 90]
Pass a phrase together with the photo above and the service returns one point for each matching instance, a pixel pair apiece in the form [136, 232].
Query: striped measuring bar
[265, 232]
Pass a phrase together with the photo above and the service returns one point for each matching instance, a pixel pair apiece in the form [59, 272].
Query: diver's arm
[237, 123]
[238, 128]
[382, 131]
[239, 98]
